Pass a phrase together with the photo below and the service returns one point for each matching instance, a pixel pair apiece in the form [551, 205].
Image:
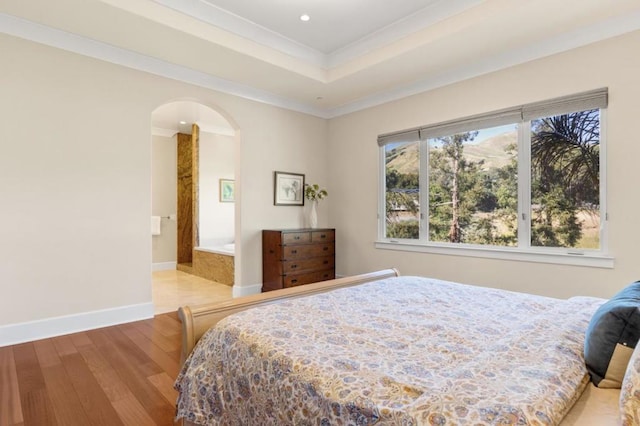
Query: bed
[382, 349]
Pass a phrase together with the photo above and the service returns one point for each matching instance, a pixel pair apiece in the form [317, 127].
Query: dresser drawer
[296, 237]
[309, 250]
[314, 263]
[311, 277]
[292, 257]
[323, 236]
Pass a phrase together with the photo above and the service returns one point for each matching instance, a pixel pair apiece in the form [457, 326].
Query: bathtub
[214, 260]
[228, 249]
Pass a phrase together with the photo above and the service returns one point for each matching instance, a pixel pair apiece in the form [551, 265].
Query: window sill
[559, 258]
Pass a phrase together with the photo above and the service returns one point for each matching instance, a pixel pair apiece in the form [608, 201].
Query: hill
[492, 150]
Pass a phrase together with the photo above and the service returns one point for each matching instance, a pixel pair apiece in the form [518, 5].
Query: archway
[195, 198]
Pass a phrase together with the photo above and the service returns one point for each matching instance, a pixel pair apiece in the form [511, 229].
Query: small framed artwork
[227, 191]
[288, 189]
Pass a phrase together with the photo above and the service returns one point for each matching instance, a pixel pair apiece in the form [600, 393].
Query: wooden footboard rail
[196, 320]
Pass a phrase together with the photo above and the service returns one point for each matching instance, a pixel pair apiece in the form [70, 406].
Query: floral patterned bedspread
[400, 351]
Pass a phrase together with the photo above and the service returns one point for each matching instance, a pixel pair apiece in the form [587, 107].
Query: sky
[483, 135]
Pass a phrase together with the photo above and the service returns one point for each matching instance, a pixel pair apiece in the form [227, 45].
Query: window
[525, 179]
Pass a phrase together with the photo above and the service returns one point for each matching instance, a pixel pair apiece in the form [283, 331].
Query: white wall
[75, 176]
[217, 161]
[75, 179]
[164, 195]
[353, 169]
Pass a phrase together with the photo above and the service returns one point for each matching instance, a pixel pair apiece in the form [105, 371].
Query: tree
[402, 190]
[565, 162]
[455, 188]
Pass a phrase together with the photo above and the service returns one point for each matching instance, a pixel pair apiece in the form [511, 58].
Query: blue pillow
[612, 335]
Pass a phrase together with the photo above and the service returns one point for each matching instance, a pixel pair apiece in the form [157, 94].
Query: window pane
[473, 195]
[565, 180]
[402, 169]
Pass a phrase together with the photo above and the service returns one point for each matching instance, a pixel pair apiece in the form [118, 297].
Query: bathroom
[193, 171]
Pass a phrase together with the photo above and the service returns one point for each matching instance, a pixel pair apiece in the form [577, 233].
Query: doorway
[193, 199]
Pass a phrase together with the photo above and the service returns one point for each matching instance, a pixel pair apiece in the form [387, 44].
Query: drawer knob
[297, 237]
[294, 266]
[294, 281]
[294, 251]
[323, 236]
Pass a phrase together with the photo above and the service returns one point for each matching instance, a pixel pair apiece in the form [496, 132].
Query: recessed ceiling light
[305, 17]
[183, 122]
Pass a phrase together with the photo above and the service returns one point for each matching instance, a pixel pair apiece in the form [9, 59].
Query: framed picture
[288, 189]
[226, 191]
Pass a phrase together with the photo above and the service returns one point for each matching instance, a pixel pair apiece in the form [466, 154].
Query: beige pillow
[630, 392]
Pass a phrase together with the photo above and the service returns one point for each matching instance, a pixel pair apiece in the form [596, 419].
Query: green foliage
[397, 180]
[406, 229]
[469, 203]
[312, 192]
[402, 204]
[565, 166]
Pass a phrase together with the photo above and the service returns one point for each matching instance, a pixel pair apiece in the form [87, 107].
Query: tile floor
[172, 289]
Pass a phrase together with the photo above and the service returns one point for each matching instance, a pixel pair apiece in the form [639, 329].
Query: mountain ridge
[492, 150]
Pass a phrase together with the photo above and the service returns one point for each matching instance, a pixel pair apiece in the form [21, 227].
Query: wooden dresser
[292, 257]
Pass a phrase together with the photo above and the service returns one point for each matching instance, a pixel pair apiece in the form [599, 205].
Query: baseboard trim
[163, 266]
[13, 334]
[246, 290]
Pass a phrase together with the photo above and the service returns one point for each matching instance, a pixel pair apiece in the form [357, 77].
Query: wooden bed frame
[196, 320]
[596, 407]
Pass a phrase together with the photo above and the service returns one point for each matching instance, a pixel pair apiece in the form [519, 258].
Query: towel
[155, 225]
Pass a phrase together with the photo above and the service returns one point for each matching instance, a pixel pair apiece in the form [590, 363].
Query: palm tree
[565, 162]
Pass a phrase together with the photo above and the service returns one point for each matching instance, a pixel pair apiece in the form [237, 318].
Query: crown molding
[48, 36]
[42, 34]
[601, 31]
[221, 18]
[424, 18]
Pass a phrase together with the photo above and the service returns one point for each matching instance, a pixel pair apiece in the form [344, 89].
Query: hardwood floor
[120, 375]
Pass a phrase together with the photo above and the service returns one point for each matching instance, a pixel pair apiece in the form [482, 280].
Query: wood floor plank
[10, 407]
[134, 375]
[152, 350]
[135, 354]
[35, 401]
[64, 399]
[164, 384]
[105, 374]
[168, 344]
[167, 325]
[37, 408]
[46, 353]
[129, 409]
[92, 396]
[115, 375]
[80, 340]
[64, 345]
[175, 355]
[132, 412]
[173, 315]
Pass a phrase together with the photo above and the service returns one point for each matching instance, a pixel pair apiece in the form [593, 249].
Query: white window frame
[599, 258]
